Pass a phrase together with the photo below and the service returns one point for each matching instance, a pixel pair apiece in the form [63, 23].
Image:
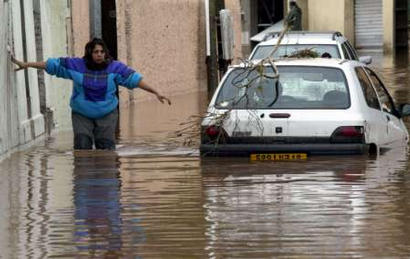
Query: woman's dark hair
[88, 51]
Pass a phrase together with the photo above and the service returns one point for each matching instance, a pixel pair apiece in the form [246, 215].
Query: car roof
[304, 38]
[322, 62]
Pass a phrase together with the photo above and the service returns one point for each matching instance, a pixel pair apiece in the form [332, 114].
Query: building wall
[304, 6]
[20, 117]
[6, 93]
[80, 15]
[235, 7]
[65, 31]
[321, 19]
[349, 27]
[165, 41]
[4, 130]
[246, 27]
[56, 29]
[388, 26]
[36, 31]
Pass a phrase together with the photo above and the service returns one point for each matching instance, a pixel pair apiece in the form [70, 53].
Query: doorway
[109, 26]
[269, 12]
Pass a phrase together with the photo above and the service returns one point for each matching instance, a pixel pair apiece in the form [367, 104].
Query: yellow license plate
[278, 156]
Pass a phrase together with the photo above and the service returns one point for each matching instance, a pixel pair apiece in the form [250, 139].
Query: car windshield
[289, 50]
[298, 87]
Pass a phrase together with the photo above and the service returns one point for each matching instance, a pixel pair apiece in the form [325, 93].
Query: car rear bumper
[310, 149]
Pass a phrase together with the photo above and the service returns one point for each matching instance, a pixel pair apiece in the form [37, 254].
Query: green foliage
[305, 53]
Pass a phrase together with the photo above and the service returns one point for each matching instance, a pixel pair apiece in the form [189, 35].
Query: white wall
[21, 120]
[17, 126]
[36, 118]
[55, 20]
[4, 133]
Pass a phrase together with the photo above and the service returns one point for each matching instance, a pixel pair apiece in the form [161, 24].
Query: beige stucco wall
[322, 17]
[349, 27]
[388, 26]
[165, 41]
[81, 25]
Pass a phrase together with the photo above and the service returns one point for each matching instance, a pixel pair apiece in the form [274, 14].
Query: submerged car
[306, 107]
[325, 44]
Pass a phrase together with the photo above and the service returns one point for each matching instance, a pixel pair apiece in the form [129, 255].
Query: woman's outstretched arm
[25, 65]
[146, 87]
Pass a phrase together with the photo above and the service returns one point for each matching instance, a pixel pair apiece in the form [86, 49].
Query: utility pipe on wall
[208, 43]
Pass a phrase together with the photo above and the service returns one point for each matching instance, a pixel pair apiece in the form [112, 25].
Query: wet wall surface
[154, 198]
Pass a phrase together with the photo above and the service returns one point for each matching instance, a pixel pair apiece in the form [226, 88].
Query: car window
[346, 52]
[368, 90]
[384, 97]
[298, 87]
[351, 50]
[288, 50]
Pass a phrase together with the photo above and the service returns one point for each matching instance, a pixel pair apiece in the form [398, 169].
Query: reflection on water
[324, 207]
[98, 226]
[154, 199]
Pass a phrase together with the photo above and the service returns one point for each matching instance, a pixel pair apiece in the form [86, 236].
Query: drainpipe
[211, 59]
[95, 19]
[208, 43]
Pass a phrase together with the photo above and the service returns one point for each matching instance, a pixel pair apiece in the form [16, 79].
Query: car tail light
[212, 131]
[213, 134]
[348, 134]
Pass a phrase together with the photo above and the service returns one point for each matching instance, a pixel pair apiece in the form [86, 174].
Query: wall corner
[388, 26]
[349, 22]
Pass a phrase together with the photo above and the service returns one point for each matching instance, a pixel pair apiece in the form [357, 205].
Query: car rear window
[288, 50]
[298, 87]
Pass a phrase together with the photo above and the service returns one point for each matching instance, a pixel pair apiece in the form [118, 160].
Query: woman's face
[98, 54]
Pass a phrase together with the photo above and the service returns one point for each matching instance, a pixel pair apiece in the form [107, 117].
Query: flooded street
[154, 198]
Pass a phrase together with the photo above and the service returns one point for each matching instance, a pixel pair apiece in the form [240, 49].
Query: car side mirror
[366, 60]
[404, 110]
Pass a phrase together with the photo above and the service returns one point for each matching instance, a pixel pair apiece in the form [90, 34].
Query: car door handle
[388, 117]
[279, 115]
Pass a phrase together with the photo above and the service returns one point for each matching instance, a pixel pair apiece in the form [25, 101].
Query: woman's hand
[23, 65]
[146, 87]
[163, 98]
[20, 64]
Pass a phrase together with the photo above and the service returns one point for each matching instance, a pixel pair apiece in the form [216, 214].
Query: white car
[318, 106]
[329, 44]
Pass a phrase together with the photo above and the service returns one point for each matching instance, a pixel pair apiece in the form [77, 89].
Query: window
[368, 91]
[290, 49]
[351, 50]
[299, 87]
[345, 52]
[384, 97]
